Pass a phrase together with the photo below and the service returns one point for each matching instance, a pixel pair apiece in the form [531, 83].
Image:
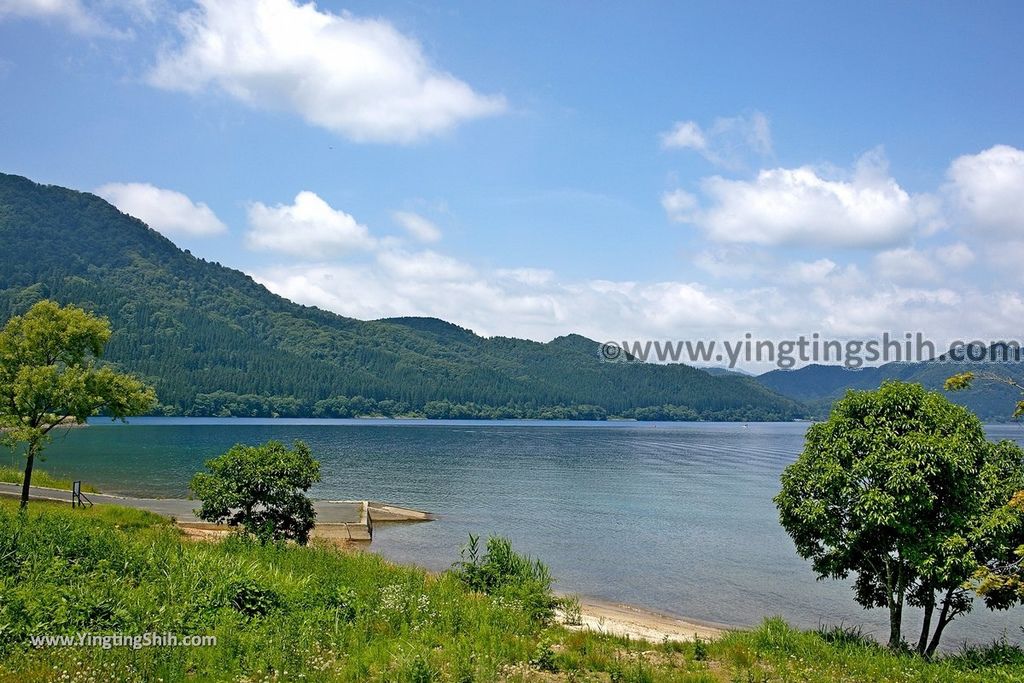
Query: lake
[675, 517]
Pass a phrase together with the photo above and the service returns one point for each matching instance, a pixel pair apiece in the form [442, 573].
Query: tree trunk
[929, 607]
[894, 596]
[944, 620]
[29, 461]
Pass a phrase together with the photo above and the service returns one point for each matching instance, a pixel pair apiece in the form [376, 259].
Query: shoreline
[601, 616]
[626, 620]
[596, 614]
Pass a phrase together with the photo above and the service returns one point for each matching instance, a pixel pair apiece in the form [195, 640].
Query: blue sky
[665, 170]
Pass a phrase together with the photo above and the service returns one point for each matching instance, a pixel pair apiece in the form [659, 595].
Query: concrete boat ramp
[351, 520]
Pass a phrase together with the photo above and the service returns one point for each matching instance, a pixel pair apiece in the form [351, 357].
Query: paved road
[327, 511]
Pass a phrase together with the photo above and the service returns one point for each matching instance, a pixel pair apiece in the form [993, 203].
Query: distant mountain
[726, 372]
[214, 342]
[817, 386]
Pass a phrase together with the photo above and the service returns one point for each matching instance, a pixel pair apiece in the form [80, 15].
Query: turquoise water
[672, 516]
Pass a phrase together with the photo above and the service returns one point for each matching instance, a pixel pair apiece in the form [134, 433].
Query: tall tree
[49, 376]
[895, 487]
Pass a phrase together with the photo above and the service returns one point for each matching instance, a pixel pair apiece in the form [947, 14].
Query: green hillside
[818, 386]
[214, 342]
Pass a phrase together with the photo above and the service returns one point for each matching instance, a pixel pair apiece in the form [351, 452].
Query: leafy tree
[965, 380]
[896, 487]
[262, 488]
[49, 376]
[999, 579]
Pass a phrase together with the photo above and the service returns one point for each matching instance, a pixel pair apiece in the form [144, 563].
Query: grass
[286, 613]
[15, 475]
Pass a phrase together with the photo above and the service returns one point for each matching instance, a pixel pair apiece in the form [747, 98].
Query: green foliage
[118, 570]
[959, 382]
[65, 571]
[216, 343]
[700, 650]
[49, 376]
[12, 475]
[501, 571]
[571, 610]
[1000, 580]
[543, 658]
[261, 489]
[898, 486]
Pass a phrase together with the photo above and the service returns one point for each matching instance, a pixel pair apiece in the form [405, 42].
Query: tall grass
[273, 609]
[286, 613]
[14, 475]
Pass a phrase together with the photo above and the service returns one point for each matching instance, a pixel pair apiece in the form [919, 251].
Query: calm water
[673, 516]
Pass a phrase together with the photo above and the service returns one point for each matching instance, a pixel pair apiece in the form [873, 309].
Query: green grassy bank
[16, 475]
[317, 614]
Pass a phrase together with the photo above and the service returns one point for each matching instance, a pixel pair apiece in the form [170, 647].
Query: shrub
[503, 572]
[261, 489]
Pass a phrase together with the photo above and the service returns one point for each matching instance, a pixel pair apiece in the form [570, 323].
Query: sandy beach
[624, 620]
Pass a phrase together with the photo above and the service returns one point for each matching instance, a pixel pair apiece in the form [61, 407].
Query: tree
[262, 488]
[896, 487]
[999, 579]
[49, 376]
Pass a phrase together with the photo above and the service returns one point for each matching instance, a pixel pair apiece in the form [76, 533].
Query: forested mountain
[214, 342]
[817, 386]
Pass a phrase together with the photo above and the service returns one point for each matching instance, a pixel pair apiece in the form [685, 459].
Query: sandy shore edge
[624, 620]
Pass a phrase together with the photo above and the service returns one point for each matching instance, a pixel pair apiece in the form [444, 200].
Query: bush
[503, 572]
[261, 489]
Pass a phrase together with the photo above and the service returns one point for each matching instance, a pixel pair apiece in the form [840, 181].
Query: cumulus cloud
[803, 206]
[728, 142]
[987, 190]
[166, 211]
[71, 13]
[360, 78]
[416, 225]
[308, 228]
[498, 302]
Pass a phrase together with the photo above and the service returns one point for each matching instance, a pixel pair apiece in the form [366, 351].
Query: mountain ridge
[817, 386]
[214, 341]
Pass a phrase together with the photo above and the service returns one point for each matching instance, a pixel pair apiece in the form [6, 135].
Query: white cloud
[987, 189]
[424, 266]
[680, 205]
[812, 272]
[71, 13]
[418, 226]
[166, 211]
[735, 262]
[955, 256]
[800, 206]
[360, 78]
[907, 265]
[684, 135]
[729, 141]
[309, 228]
[527, 276]
[494, 303]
